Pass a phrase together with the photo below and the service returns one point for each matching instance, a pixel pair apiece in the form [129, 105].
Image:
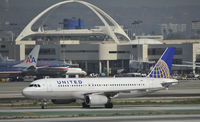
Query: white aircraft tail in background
[32, 58]
[13, 69]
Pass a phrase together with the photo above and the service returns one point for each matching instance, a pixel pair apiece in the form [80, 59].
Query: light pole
[11, 32]
[8, 32]
[12, 35]
[137, 22]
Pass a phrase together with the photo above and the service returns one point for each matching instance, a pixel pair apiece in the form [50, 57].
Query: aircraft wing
[113, 93]
[189, 62]
[41, 67]
[184, 65]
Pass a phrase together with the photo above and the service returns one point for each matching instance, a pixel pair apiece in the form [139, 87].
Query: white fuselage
[62, 88]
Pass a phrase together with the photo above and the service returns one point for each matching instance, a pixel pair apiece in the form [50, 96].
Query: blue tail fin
[162, 69]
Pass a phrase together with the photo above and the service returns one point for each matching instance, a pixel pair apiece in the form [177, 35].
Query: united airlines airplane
[100, 91]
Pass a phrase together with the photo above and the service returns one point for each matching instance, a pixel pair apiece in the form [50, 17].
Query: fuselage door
[48, 85]
[151, 83]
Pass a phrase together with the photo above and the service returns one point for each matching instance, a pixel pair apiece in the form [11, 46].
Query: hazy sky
[151, 12]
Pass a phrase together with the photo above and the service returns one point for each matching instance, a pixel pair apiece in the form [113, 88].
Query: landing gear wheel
[43, 104]
[109, 105]
[84, 105]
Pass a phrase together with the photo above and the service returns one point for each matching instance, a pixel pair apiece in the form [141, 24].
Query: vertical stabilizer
[162, 69]
[32, 58]
[1, 58]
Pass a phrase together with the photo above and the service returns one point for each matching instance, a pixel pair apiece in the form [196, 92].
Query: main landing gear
[84, 105]
[108, 105]
[43, 104]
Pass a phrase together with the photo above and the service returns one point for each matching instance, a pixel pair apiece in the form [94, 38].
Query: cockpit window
[34, 85]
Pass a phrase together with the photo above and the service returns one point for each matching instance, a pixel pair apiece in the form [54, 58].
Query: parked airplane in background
[100, 91]
[53, 68]
[75, 71]
[188, 64]
[12, 69]
[31, 67]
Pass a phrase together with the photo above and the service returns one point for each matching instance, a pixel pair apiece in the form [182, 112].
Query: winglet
[31, 59]
[162, 69]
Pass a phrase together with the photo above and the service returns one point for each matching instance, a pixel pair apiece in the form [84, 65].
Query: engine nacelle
[96, 100]
[63, 101]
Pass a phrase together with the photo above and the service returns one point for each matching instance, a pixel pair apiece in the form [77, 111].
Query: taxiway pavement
[157, 118]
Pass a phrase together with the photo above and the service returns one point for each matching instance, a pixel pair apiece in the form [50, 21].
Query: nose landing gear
[109, 105]
[43, 104]
[84, 105]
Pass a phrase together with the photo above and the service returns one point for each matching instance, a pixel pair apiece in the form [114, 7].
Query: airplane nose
[26, 92]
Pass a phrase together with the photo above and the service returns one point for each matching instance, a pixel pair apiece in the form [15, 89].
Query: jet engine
[63, 101]
[96, 100]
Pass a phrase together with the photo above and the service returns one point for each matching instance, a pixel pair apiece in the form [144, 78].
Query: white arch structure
[107, 30]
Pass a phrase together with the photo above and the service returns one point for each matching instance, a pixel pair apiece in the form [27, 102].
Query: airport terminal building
[108, 57]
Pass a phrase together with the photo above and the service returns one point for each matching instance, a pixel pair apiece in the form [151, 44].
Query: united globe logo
[161, 70]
